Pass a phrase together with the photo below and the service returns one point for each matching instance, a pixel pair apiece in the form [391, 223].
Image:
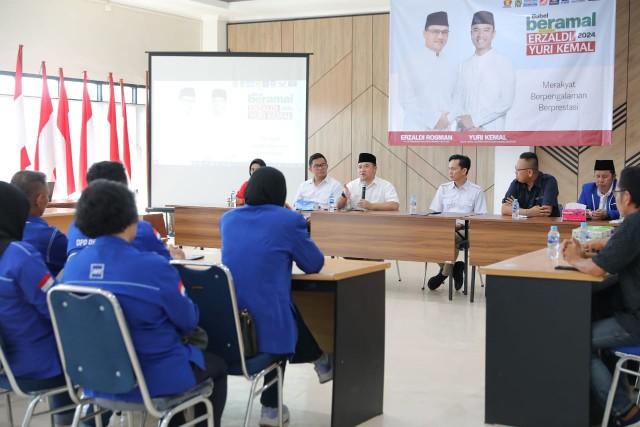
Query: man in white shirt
[486, 81]
[427, 81]
[320, 186]
[368, 191]
[457, 196]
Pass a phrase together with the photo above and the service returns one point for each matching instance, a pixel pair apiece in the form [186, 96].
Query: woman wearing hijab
[259, 244]
[253, 166]
[25, 324]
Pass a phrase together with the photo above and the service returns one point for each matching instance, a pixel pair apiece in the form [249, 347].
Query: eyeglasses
[439, 32]
[523, 169]
[621, 190]
[319, 166]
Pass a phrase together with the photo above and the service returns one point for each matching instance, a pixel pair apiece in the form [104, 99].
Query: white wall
[80, 35]
[505, 161]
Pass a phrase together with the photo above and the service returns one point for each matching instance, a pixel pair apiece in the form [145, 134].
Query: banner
[501, 72]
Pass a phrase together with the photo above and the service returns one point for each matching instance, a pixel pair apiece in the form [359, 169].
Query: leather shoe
[435, 282]
[458, 274]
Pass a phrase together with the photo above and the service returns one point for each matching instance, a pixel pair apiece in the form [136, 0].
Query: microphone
[364, 189]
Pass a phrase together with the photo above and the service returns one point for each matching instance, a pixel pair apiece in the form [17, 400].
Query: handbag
[198, 337]
[248, 331]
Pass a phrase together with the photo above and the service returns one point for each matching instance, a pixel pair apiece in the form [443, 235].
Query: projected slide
[211, 115]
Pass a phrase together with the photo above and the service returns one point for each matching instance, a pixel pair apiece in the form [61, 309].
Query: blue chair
[35, 391]
[211, 288]
[97, 353]
[625, 354]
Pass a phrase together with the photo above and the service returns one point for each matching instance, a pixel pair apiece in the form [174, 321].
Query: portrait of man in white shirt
[379, 194]
[428, 80]
[320, 186]
[486, 81]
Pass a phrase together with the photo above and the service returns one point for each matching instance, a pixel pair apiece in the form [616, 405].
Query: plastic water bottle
[583, 234]
[232, 200]
[515, 209]
[553, 244]
[413, 205]
[332, 203]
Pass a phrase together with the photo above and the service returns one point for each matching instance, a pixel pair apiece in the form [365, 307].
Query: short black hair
[316, 156]
[463, 161]
[531, 158]
[105, 208]
[30, 183]
[630, 181]
[109, 170]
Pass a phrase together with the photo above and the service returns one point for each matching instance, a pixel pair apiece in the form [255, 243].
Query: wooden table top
[62, 203]
[333, 269]
[536, 265]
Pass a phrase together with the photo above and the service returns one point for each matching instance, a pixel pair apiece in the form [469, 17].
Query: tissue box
[595, 232]
[574, 215]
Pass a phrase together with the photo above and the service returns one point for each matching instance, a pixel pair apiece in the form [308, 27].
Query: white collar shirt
[466, 199]
[320, 193]
[379, 191]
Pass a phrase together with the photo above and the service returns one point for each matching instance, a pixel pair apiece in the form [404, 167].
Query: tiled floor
[434, 368]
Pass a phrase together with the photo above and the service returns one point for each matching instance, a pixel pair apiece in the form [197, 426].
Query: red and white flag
[18, 102]
[126, 154]
[114, 153]
[66, 184]
[86, 134]
[45, 154]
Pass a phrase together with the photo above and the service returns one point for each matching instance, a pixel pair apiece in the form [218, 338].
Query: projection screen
[212, 113]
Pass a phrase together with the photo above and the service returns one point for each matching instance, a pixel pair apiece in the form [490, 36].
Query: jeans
[608, 334]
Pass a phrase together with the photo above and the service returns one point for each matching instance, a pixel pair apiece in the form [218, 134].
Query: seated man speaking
[368, 191]
[620, 325]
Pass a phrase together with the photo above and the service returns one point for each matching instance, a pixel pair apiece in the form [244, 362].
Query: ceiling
[256, 10]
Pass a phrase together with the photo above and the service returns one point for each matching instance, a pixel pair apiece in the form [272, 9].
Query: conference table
[59, 217]
[538, 343]
[331, 303]
[327, 302]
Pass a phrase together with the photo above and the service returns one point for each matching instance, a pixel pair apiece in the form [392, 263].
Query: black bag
[248, 330]
[198, 337]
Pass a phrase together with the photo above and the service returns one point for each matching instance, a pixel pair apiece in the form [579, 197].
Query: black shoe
[435, 282]
[458, 274]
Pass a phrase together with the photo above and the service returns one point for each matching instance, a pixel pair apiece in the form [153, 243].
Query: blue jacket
[24, 317]
[589, 196]
[259, 244]
[147, 240]
[49, 241]
[157, 310]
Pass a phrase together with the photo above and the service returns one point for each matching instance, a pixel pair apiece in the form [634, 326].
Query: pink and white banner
[501, 72]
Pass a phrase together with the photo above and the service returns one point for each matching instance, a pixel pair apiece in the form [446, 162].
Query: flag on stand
[18, 102]
[45, 153]
[86, 133]
[126, 155]
[64, 157]
[113, 127]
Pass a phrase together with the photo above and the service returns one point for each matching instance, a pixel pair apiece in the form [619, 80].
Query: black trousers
[216, 369]
[307, 351]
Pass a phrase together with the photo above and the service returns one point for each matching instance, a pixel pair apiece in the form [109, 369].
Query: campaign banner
[501, 72]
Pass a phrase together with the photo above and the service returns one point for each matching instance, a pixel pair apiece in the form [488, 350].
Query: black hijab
[267, 186]
[14, 210]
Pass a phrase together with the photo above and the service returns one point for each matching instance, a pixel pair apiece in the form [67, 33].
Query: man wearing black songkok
[486, 82]
[427, 80]
[379, 194]
[599, 196]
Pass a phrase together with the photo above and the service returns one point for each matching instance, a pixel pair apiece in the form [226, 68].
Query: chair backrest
[211, 288]
[94, 343]
[157, 222]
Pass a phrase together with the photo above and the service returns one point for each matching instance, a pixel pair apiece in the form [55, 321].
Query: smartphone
[566, 267]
